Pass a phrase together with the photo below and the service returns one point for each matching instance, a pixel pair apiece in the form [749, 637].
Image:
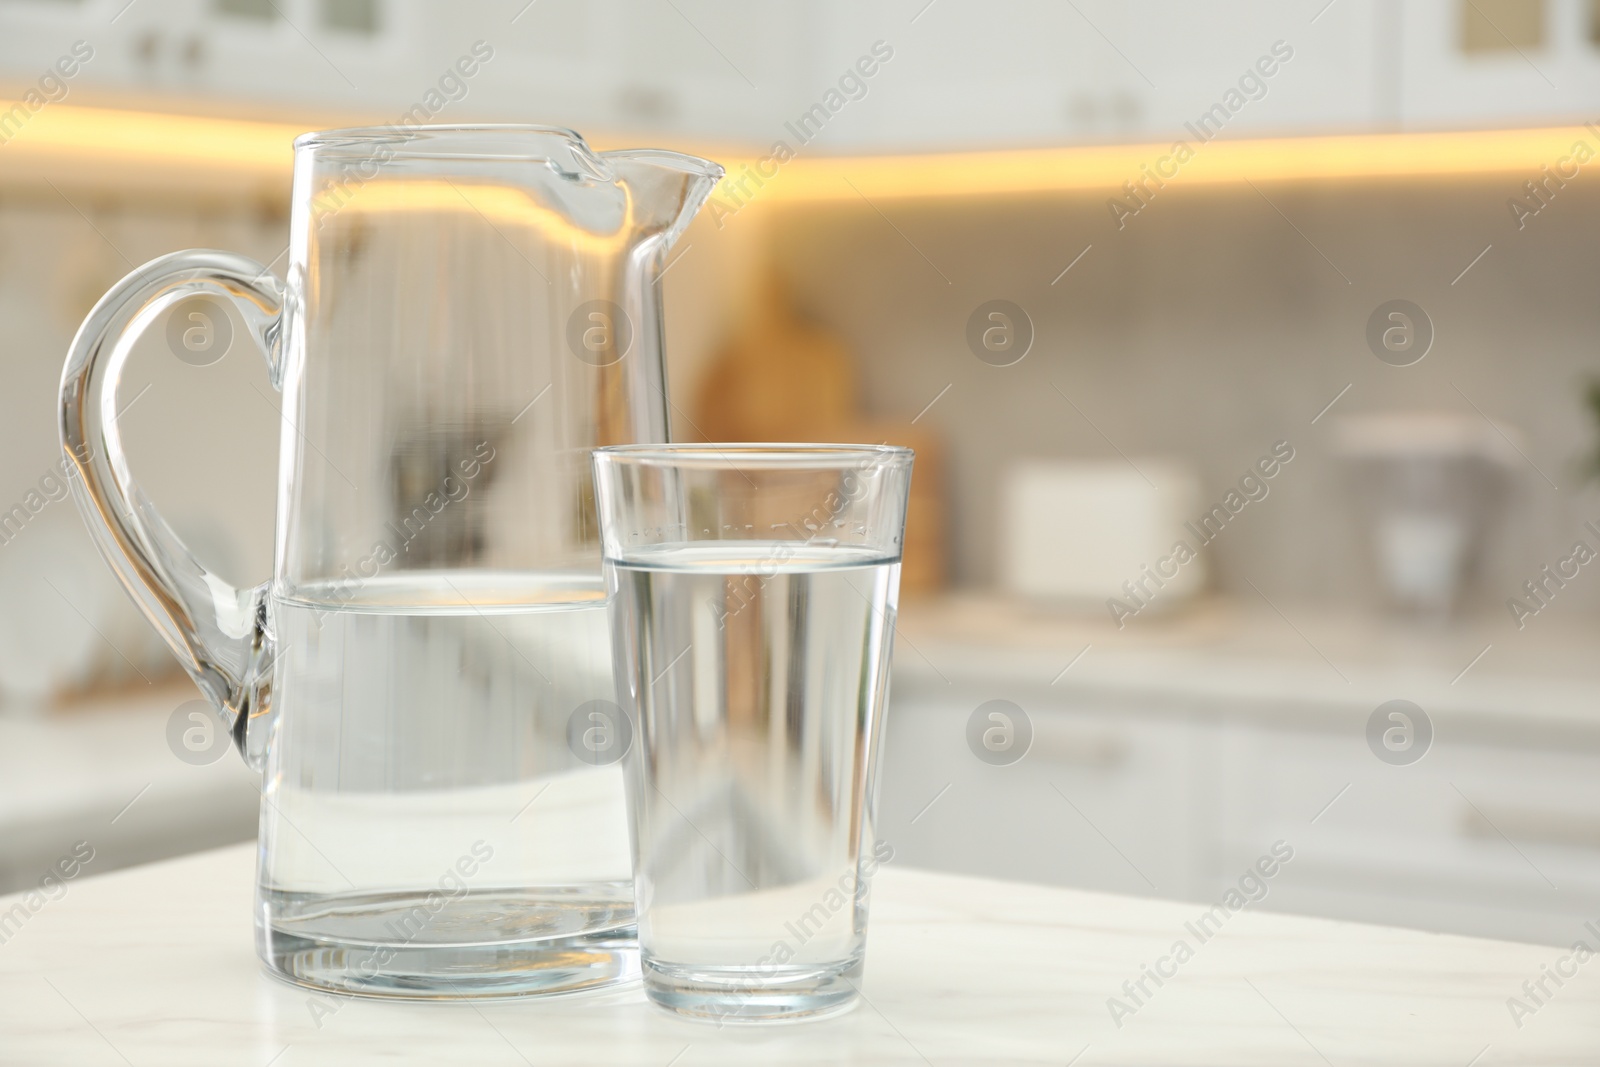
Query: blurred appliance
[1428, 482]
[1077, 533]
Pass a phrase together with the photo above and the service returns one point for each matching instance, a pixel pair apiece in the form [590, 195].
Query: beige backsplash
[1210, 328]
[1204, 331]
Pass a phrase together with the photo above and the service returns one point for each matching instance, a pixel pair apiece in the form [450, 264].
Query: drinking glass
[752, 593]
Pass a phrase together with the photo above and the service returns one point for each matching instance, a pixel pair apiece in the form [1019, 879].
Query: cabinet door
[1101, 800]
[1255, 68]
[1007, 73]
[1491, 63]
[377, 59]
[1491, 840]
[715, 71]
[1038, 72]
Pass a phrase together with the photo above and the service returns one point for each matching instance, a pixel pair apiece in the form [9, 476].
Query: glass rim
[499, 142]
[348, 135]
[755, 454]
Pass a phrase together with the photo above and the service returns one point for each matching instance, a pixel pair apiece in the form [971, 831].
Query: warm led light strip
[1107, 168]
[105, 139]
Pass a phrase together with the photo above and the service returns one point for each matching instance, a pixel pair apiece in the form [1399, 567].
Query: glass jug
[425, 681]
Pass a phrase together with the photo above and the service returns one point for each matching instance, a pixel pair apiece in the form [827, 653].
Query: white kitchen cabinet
[1498, 835]
[1101, 800]
[1038, 72]
[1510, 75]
[229, 56]
[1494, 832]
[711, 70]
[719, 74]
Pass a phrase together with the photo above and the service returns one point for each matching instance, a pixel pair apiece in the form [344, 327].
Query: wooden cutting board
[783, 379]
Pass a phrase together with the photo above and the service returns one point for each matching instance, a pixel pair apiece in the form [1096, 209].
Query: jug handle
[220, 634]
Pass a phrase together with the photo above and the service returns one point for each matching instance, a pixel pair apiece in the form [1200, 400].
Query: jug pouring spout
[666, 189]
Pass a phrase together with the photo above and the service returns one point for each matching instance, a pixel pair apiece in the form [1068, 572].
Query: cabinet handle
[1523, 824]
[1095, 751]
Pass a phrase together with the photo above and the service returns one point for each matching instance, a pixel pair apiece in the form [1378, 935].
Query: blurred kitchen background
[968, 227]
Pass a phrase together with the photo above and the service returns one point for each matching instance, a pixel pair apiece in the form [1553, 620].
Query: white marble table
[154, 965]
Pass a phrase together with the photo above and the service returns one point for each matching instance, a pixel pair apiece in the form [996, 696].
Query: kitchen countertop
[103, 770]
[1276, 661]
[155, 965]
